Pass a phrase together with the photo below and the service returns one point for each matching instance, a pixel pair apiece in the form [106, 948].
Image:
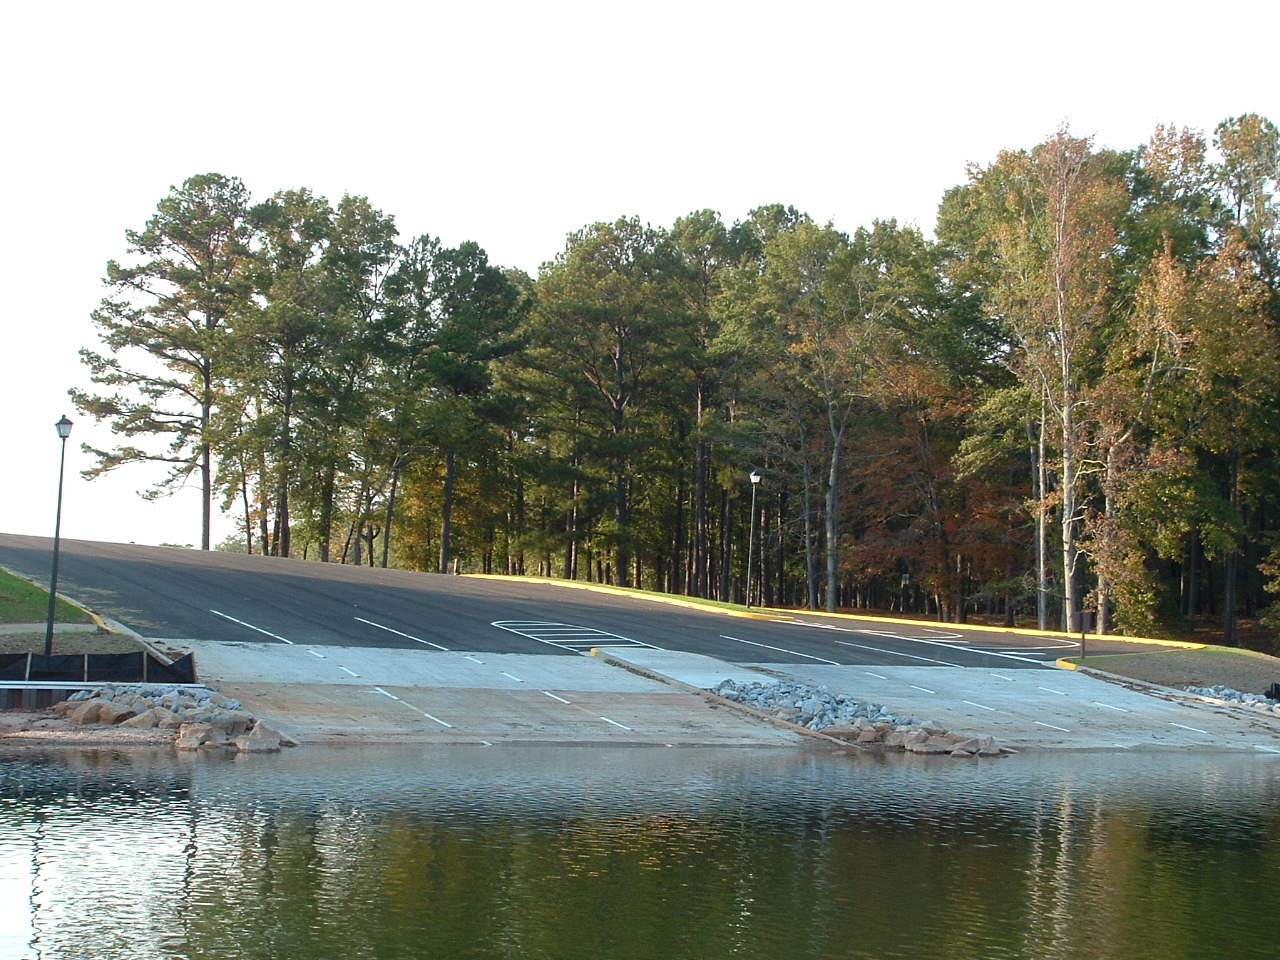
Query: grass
[1232, 667]
[23, 602]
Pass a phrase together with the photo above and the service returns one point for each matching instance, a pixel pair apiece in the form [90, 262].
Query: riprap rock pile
[846, 718]
[200, 717]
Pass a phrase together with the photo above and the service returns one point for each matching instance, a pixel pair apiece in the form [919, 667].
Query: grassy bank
[24, 602]
[1243, 670]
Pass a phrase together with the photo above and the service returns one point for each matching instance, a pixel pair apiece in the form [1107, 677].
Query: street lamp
[751, 541]
[63, 427]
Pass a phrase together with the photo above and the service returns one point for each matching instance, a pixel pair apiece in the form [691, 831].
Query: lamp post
[63, 427]
[751, 541]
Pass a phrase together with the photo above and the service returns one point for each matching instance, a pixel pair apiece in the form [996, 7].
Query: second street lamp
[63, 427]
[751, 537]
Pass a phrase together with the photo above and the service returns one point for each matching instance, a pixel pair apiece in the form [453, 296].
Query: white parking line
[794, 653]
[1185, 727]
[554, 697]
[399, 633]
[878, 676]
[567, 636]
[925, 689]
[616, 723]
[352, 672]
[511, 677]
[413, 708]
[1051, 726]
[925, 640]
[1108, 706]
[219, 613]
[980, 706]
[1051, 690]
[897, 653]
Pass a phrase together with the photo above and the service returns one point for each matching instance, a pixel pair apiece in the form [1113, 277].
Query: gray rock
[261, 739]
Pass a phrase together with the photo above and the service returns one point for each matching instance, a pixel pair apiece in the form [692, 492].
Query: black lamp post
[751, 542]
[63, 427]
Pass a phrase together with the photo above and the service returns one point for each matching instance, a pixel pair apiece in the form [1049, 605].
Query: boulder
[193, 736]
[143, 721]
[116, 712]
[86, 712]
[166, 719]
[263, 738]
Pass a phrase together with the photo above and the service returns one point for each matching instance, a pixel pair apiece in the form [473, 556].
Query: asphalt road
[179, 594]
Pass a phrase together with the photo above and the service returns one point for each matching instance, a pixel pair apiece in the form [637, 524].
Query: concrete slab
[221, 663]
[359, 695]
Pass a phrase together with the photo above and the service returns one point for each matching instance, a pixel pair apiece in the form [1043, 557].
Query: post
[63, 427]
[751, 536]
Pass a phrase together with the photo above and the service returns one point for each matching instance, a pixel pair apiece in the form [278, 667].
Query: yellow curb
[666, 598]
[774, 613]
[1065, 664]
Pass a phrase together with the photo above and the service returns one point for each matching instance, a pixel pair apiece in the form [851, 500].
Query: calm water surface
[637, 853]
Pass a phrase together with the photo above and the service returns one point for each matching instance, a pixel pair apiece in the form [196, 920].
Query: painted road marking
[399, 633]
[352, 672]
[878, 676]
[925, 689]
[320, 655]
[219, 613]
[980, 706]
[1051, 726]
[587, 712]
[413, 708]
[1185, 727]
[510, 676]
[473, 659]
[896, 653]
[925, 640]
[1051, 690]
[1108, 706]
[794, 653]
[1000, 676]
[568, 636]
[1259, 746]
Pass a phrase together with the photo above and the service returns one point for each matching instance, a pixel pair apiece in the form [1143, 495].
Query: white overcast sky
[513, 124]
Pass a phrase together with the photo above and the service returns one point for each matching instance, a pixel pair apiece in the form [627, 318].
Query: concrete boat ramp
[643, 696]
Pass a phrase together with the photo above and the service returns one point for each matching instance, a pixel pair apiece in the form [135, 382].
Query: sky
[514, 124]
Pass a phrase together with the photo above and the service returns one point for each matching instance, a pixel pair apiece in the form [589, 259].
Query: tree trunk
[833, 519]
[446, 510]
[391, 512]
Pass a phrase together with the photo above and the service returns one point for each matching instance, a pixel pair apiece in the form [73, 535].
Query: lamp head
[755, 476]
[63, 427]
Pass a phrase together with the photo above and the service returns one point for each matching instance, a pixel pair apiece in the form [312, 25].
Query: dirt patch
[43, 729]
[70, 643]
[1241, 670]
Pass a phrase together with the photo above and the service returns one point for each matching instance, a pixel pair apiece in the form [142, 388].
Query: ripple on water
[634, 853]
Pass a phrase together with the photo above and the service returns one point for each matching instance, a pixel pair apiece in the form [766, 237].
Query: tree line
[1063, 404]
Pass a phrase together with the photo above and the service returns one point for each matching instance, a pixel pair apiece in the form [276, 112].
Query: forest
[1060, 410]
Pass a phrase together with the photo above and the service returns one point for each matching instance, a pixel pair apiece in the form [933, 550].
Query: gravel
[814, 708]
[1254, 701]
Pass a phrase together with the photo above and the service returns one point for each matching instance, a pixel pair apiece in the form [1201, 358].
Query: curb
[773, 613]
[720, 701]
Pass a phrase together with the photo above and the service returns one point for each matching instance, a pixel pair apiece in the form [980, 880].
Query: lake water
[636, 853]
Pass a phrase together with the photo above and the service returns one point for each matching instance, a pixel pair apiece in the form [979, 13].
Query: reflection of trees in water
[738, 856]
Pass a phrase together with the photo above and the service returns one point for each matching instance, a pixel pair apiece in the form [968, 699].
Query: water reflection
[566, 853]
